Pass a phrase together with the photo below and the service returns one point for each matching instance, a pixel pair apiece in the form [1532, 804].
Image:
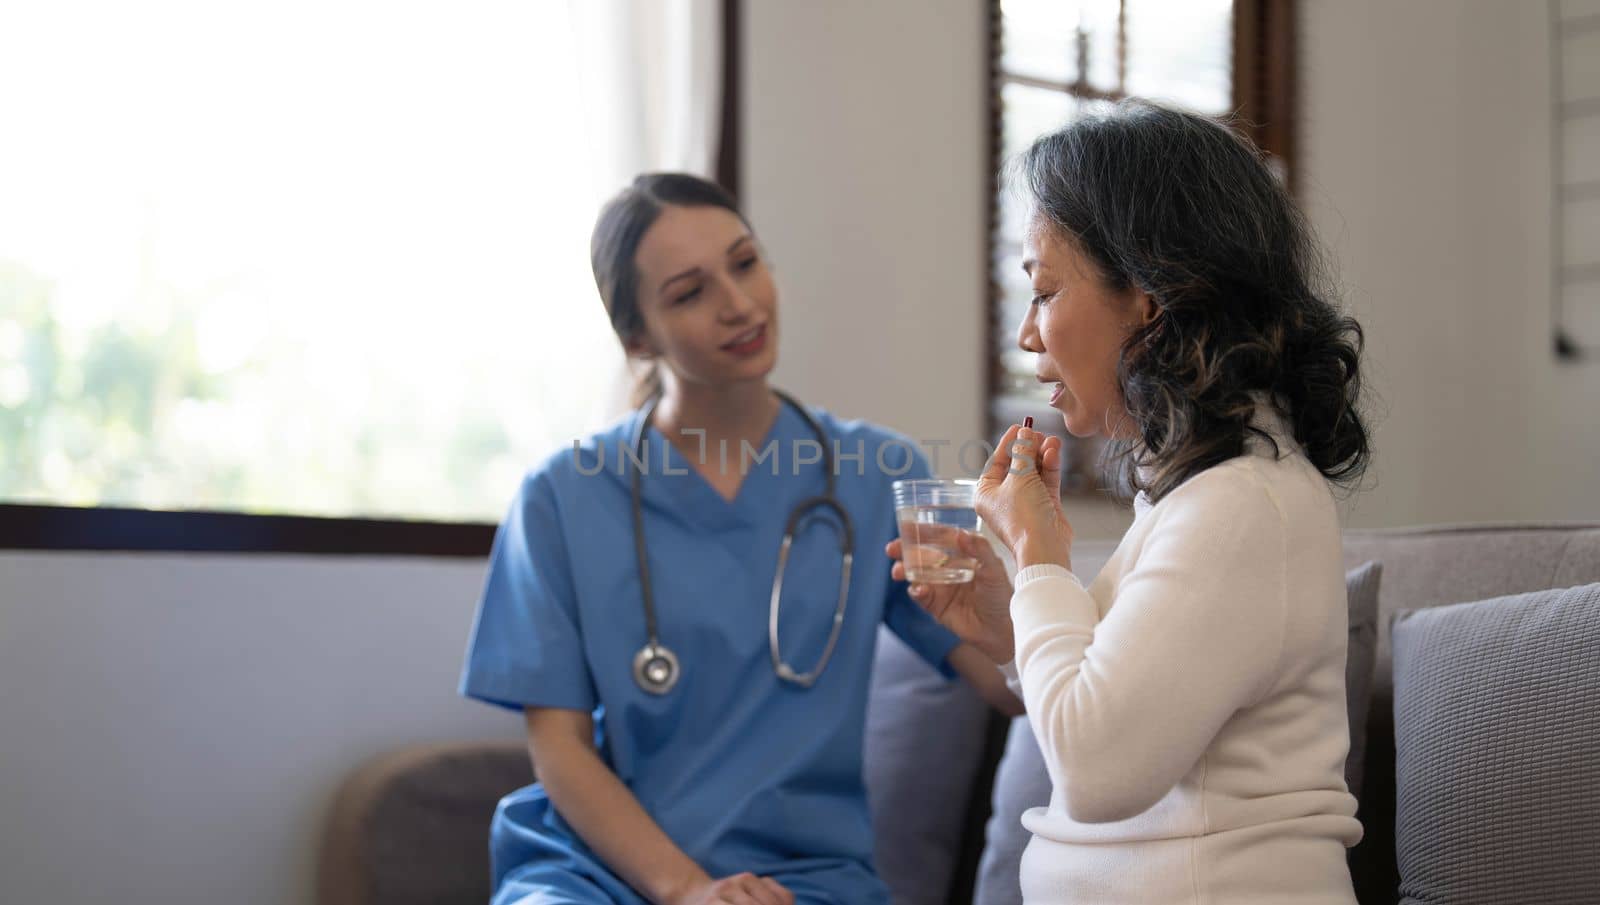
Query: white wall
[1426, 138]
[865, 146]
[172, 727]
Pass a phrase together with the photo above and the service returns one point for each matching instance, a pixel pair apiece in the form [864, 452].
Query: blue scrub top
[745, 772]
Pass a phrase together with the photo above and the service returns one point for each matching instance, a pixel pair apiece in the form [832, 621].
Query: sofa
[411, 826]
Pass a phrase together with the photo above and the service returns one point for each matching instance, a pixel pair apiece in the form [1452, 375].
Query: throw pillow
[1497, 721]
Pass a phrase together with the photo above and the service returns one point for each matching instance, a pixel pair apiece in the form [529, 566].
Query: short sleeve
[526, 647]
[909, 621]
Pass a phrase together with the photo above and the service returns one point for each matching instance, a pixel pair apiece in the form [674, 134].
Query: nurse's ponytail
[614, 246]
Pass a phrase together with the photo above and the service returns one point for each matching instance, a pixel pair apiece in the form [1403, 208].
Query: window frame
[37, 526]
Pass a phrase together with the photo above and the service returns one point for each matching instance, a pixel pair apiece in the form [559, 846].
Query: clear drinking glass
[931, 513]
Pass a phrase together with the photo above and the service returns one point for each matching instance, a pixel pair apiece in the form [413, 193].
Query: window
[328, 259]
[1052, 60]
[318, 260]
[1575, 176]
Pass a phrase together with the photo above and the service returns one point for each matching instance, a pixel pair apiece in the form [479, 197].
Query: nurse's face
[1077, 325]
[709, 304]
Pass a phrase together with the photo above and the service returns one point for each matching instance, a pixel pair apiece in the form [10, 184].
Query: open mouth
[749, 342]
[1057, 388]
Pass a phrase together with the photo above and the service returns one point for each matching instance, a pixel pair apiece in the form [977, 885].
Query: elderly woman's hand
[1019, 498]
[977, 611]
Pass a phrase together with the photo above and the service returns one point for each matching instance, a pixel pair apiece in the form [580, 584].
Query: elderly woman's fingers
[1025, 452]
[999, 464]
[1050, 465]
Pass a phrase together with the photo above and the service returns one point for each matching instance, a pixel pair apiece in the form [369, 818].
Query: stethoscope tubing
[656, 668]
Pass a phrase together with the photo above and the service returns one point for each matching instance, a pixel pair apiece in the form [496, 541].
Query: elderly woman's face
[1077, 325]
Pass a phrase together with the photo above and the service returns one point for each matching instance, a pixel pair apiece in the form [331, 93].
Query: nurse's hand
[1019, 498]
[740, 889]
[977, 611]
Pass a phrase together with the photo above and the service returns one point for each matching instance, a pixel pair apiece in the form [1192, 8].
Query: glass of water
[932, 513]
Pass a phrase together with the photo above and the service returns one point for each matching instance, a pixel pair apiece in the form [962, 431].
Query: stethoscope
[655, 666]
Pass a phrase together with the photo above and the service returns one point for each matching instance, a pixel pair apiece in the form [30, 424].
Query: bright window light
[326, 258]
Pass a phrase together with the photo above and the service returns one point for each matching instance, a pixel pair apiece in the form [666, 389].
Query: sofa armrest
[412, 826]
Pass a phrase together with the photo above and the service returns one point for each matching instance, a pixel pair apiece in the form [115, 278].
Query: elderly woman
[1189, 702]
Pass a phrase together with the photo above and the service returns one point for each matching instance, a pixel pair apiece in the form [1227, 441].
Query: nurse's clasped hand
[740, 889]
[977, 611]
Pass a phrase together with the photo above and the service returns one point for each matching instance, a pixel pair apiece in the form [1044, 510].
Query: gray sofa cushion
[925, 738]
[1438, 566]
[411, 827]
[1427, 567]
[1497, 721]
[1361, 588]
[1021, 781]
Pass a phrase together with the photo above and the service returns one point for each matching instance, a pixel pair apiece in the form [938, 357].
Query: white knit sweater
[1190, 702]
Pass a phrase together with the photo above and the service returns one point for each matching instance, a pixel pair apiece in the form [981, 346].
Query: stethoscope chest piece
[655, 668]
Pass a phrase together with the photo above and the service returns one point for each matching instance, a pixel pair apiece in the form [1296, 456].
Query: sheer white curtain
[650, 75]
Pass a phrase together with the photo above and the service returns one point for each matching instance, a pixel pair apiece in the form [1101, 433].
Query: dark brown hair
[1188, 211]
[614, 244]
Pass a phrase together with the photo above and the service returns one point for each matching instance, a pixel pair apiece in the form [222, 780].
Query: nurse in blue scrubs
[686, 751]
